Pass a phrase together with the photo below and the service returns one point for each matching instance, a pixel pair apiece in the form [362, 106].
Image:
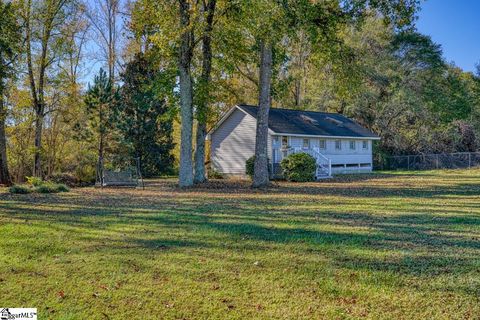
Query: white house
[339, 144]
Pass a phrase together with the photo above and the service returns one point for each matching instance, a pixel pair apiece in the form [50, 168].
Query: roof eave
[222, 119]
[225, 117]
[323, 136]
[271, 132]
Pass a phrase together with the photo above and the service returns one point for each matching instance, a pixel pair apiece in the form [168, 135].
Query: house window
[306, 144]
[352, 145]
[284, 142]
[365, 144]
[338, 145]
[322, 144]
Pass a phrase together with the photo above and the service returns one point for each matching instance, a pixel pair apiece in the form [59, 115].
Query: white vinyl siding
[233, 143]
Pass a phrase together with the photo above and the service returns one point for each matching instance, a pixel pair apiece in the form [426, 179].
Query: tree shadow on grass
[407, 233]
[346, 186]
[415, 243]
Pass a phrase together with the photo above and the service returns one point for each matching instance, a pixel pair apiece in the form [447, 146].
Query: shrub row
[37, 185]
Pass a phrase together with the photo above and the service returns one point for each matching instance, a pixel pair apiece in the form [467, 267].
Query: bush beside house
[299, 167]
[249, 166]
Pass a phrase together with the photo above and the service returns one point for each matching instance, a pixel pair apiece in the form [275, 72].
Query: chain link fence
[457, 160]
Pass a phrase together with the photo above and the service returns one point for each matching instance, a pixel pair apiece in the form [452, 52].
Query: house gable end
[233, 142]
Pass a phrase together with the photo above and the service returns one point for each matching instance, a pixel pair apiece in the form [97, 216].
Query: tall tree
[44, 21]
[104, 16]
[204, 91]
[268, 29]
[9, 50]
[260, 176]
[66, 90]
[142, 115]
[99, 100]
[186, 93]
[196, 27]
[288, 16]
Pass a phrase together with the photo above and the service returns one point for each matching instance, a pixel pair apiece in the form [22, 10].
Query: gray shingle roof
[311, 123]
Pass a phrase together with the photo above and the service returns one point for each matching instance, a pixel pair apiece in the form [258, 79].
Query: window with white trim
[365, 144]
[322, 144]
[306, 144]
[284, 142]
[338, 144]
[352, 145]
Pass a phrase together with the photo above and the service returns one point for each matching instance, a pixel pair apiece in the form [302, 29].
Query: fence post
[436, 162]
[139, 172]
[469, 160]
[408, 162]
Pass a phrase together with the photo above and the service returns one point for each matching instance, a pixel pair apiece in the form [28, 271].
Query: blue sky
[455, 24]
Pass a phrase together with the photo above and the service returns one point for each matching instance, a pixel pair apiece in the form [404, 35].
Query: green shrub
[34, 181]
[299, 167]
[49, 187]
[249, 166]
[20, 189]
[65, 178]
[85, 174]
[62, 188]
[46, 188]
[214, 174]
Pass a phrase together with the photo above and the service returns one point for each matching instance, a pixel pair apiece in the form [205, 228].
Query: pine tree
[99, 100]
[142, 117]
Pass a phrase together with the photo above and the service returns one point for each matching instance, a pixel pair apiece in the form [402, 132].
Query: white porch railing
[324, 164]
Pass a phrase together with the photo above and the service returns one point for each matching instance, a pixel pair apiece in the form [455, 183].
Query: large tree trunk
[100, 158]
[37, 166]
[37, 93]
[186, 104]
[200, 153]
[202, 108]
[4, 174]
[112, 10]
[260, 175]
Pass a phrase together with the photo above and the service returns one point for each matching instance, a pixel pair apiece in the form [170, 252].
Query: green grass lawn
[383, 246]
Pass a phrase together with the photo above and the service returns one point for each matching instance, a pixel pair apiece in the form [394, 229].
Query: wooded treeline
[170, 68]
